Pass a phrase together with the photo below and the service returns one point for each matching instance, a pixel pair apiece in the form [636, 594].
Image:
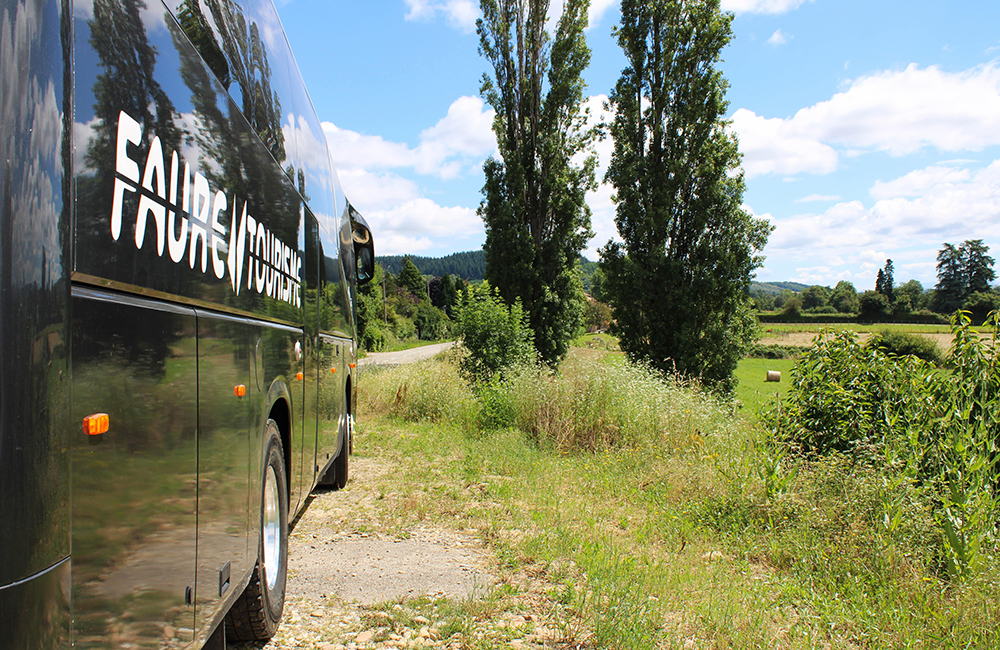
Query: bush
[903, 343]
[403, 328]
[431, 323]
[933, 429]
[497, 337]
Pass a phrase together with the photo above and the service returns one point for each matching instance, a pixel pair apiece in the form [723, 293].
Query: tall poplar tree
[537, 221]
[679, 280]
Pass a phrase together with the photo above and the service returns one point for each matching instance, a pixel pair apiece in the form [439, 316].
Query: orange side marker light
[240, 390]
[333, 370]
[299, 376]
[96, 424]
[352, 365]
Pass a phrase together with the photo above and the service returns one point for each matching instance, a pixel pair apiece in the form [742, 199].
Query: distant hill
[470, 265]
[777, 287]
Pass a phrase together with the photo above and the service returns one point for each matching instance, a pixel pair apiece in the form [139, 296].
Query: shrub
[936, 430]
[497, 337]
[903, 343]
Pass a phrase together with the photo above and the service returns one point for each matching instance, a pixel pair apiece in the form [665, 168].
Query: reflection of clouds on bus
[151, 13]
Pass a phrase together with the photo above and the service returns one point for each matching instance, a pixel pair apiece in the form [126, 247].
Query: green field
[752, 390]
[770, 329]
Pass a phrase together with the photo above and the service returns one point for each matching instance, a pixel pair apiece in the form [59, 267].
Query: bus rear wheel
[257, 612]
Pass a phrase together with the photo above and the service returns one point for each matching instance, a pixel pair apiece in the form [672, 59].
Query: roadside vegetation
[859, 513]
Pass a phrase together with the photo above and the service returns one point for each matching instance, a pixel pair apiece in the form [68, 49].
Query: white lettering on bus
[271, 267]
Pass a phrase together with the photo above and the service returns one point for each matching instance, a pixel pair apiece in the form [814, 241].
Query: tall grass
[665, 520]
[593, 406]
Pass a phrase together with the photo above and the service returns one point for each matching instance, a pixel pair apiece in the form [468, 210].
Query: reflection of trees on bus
[127, 83]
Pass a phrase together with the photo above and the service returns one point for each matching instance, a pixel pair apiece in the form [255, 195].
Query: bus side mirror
[364, 252]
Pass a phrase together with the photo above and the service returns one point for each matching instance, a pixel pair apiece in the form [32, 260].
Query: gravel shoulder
[356, 582]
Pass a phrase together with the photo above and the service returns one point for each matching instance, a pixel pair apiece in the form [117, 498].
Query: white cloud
[464, 135]
[597, 10]
[918, 182]
[777, 38]
[460, 14]
[774, 146]
[373, 172]
[818, 197]
[899, 112]
[762, 6]
[909, 220]
[902, 111]
[416, 225]
[462, 138]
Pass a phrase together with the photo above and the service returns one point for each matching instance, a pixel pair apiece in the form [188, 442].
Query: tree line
[468, 265]
[965, 273]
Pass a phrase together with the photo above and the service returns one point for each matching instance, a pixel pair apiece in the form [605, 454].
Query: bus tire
[341, 465]
[257, 612]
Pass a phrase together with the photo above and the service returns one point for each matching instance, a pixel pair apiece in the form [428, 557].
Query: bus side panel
[224, 413]
[34, 613]
[135, 486]
[33, 293]
[35, 67]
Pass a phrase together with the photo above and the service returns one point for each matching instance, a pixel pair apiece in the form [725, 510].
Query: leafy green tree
[762, 300]
[536, 216]
[497, 336]
[845, 297]
[815, 297]
[873, 306]
[978, 266]
[411, 280]
[962, 270]
[431, 322]
[597, 285]
[679, 281]
[980, 304]
[951, 286]
[371, 311]
[911, 294]
[597, 316]
[885, 280]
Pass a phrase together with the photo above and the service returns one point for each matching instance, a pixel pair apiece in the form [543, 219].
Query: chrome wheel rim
[272, 528]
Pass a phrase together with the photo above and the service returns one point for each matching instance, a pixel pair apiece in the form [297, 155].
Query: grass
[686, 533]
[752, 390]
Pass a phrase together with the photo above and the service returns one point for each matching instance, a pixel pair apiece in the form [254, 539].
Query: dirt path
[404, 356]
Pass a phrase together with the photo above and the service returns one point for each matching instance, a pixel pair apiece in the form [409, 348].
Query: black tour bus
[178, 268]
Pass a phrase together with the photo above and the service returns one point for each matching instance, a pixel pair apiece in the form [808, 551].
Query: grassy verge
[672, 530]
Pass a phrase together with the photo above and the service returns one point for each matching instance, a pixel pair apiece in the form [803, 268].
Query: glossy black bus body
[175, 253]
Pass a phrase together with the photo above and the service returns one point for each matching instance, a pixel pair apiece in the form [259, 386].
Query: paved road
[405, 356]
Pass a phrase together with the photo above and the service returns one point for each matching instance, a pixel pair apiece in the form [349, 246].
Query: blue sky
[869, 129]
